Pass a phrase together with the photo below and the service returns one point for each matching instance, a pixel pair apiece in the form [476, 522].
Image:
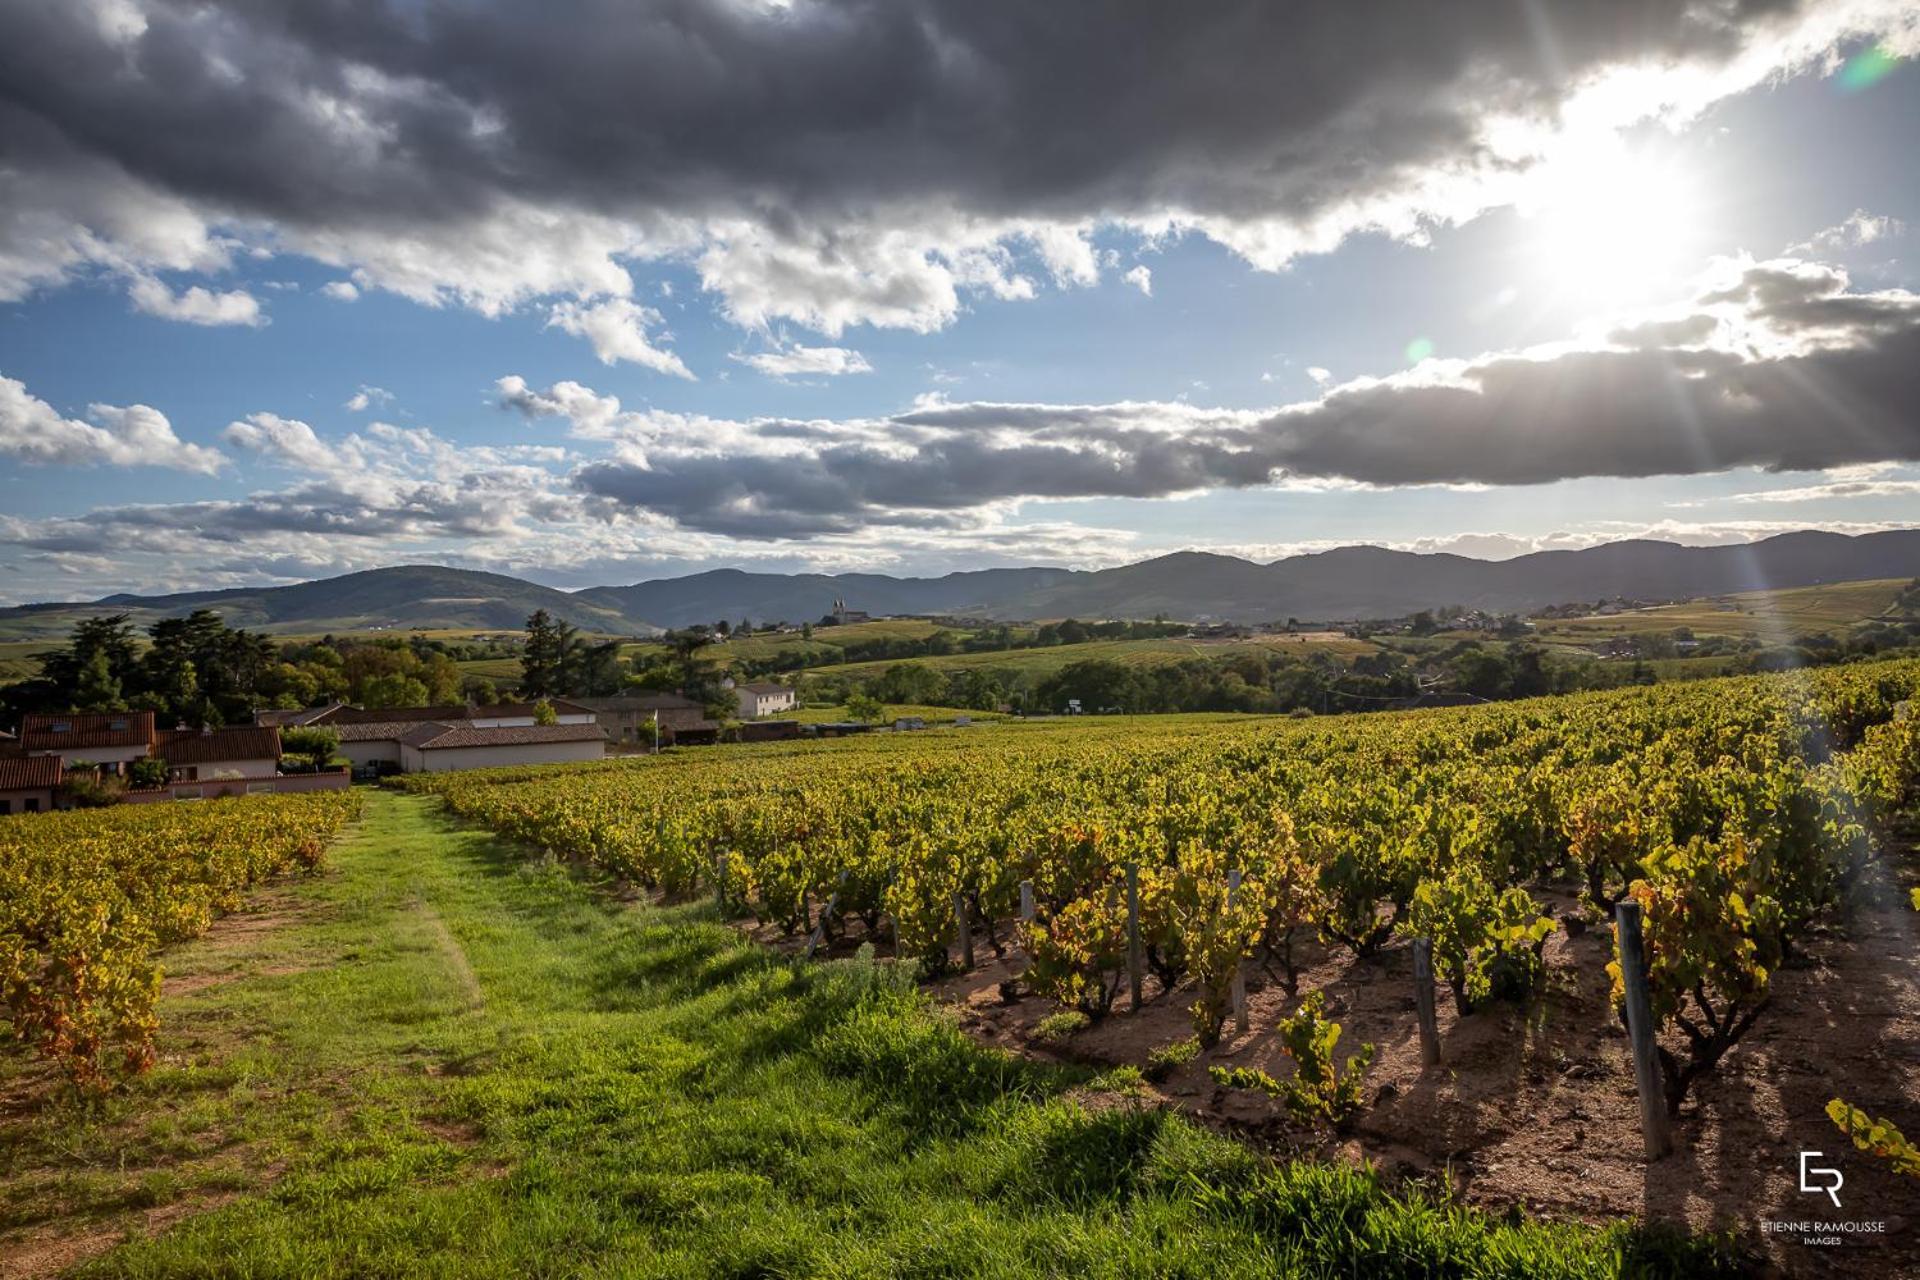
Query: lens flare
[1867, 68]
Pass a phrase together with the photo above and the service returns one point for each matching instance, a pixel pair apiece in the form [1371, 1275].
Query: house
[108, 740]
[758, 698]
[205, 763]
[201, 763]
[436, 748]
[27, 783]
[631, 717]
[421, 739]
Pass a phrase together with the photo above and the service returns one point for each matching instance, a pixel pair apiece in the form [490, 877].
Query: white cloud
[286, 441]
[1858, 230]
[617, 328]
[133, 436]
[1141, 278]
[340, 291]
[367, 397]
[1321, 376]
[798, 362]
[195, 305]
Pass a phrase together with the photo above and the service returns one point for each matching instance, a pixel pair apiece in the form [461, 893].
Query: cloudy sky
[600, 291]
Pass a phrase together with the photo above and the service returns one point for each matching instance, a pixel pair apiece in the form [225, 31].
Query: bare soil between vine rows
[1534, 1108]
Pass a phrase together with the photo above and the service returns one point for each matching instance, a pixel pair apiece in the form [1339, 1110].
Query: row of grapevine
[88, 897]
[1736, 811]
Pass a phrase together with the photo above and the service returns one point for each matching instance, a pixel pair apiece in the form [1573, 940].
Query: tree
[316, 743]
[98, 688]
[864, 706]
[544, 714]
[910, 682]
[1096, 683]
[551, 653]
[146, 773]
[394, 691]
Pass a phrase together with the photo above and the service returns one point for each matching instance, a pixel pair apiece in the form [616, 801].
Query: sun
[1607, 226]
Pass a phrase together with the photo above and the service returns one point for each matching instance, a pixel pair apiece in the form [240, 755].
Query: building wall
[16, 801]
[227, 770]
[414, 760]
[362, 754]
[95, 755]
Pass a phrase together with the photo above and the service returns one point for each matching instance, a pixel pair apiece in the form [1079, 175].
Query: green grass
[449, 1060]
[1772, 617]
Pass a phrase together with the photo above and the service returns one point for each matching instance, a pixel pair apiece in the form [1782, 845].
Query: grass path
[442, 1058]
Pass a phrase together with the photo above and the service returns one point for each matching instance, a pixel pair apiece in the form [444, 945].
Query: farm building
[630, 717]
[217, 761]
[201, 763]
[107, 740]
[436, 748]
[759, 698]
[27, 783]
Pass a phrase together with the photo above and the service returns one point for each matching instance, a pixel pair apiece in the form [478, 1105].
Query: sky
[599, 292]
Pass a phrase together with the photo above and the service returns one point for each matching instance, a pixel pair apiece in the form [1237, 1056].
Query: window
[184, 773]
[30, 805]
[6, 807]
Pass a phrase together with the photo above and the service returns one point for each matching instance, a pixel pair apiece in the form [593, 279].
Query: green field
[1133, 653]
[446, 1057]
[17, 662]
[1772, 617]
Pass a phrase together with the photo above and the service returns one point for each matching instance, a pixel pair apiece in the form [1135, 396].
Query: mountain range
[1345, 583]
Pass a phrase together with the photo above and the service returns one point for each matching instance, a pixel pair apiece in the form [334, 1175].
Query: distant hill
[402, 598]
[1347, 583]
[1350, 582]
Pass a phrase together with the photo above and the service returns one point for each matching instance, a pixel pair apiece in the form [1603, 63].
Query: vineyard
[88, 897]
[1739, 813]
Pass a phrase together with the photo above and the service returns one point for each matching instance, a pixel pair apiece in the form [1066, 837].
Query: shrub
[1321, 1090]
[1876, 1136]
[1060, 1026]
[1164, 1060]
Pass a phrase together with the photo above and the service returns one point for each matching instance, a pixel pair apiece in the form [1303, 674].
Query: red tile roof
[29, 773]
[387, 715]
[435, 737]
[43, 731]
[247, 742]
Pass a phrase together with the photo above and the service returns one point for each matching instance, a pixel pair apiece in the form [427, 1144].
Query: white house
[110, 739]
[758, 698]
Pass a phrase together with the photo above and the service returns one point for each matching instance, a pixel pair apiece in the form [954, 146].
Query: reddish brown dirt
[1536, 1107]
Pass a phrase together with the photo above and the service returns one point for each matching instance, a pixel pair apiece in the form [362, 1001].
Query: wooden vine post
[1026, 901]
[963, 928]
[1135, 964]
[1238, 989]
[1654, 1126]
[1423, 1001]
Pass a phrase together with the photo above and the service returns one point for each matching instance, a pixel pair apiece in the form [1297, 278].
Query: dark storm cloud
[355, 120]
[1804, 376]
